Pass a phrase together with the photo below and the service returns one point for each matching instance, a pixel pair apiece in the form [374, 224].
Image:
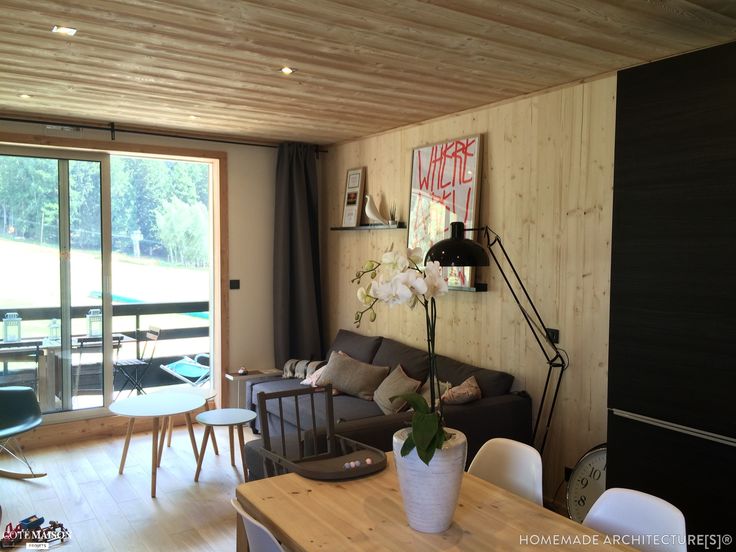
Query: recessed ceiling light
[69, 31]
[193, 117]
[287, 70]
[25, 96]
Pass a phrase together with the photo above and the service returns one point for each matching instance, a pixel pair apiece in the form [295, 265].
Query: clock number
[581, 501]
[595, 473]
[583, 482]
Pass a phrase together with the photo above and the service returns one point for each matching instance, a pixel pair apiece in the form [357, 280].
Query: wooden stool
[230, 417]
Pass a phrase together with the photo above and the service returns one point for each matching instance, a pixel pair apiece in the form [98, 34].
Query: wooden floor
[106, 511]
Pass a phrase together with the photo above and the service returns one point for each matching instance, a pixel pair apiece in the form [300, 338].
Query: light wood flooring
[106, 511]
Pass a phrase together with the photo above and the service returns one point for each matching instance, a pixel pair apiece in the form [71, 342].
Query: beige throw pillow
[397, 383]
[466, 392]
[351, 376]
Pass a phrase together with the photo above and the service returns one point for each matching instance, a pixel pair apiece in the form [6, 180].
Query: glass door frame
[64, 156]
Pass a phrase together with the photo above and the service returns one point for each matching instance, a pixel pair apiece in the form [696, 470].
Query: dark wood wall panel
[673, 281]
[689, 472]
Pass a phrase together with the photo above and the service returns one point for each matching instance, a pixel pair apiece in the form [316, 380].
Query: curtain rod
[112, 128]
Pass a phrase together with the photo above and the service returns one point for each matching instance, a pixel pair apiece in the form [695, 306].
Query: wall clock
[587, 482]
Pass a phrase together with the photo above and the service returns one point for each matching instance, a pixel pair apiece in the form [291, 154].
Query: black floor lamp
[458, 251]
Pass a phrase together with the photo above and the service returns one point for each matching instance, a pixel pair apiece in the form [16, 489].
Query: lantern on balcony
[94, 323]
[11, 327]
[54, 330]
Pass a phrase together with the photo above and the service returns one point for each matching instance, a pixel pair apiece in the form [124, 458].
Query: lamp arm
[536, 326]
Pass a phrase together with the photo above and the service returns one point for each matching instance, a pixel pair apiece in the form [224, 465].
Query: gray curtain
[297, 296]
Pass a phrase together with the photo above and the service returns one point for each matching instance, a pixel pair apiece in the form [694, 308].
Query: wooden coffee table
[157, 406]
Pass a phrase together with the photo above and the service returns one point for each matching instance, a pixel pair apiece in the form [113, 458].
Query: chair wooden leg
[207, 432]
[214, 440]
[128, 434]
[241, 440]
[232, 445]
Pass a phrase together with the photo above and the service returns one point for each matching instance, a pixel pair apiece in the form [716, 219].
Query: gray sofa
[498, 413]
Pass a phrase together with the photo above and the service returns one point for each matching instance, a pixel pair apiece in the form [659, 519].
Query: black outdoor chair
[133, 369]
[19, 413]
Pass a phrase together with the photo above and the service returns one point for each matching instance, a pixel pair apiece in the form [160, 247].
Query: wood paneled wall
[547, 190]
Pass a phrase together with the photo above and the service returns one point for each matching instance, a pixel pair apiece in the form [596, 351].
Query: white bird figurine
[372, 211]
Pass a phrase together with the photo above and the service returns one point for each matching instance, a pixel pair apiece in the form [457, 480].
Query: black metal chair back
[291, 443]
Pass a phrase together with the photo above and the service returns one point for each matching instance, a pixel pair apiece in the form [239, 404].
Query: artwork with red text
[445, 186]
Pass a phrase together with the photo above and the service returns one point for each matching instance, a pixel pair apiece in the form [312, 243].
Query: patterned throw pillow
[467, 391]
[295, 368]
[396, 383]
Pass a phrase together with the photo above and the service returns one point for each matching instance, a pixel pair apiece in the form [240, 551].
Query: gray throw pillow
[351, 376]
[397, 383]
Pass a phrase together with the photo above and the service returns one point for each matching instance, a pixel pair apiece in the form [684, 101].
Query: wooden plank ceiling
[362, 66]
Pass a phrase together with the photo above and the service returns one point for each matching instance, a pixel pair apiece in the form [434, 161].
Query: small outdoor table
[230, 417]
[157, 406]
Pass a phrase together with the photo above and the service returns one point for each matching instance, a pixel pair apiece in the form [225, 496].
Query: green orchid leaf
[408, 446]
[424, 427]
[426, 455]
[415, 400]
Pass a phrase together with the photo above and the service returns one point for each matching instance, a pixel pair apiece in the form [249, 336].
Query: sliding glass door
[54, 276]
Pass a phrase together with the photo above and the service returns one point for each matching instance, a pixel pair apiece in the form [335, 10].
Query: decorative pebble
[346, 465]
[368, 461]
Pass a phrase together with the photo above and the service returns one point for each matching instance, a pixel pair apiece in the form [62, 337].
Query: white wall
[251, 176]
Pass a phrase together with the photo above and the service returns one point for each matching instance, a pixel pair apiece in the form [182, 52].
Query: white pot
[431, 492]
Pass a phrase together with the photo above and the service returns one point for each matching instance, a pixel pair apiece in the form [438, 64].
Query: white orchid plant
[397, 279]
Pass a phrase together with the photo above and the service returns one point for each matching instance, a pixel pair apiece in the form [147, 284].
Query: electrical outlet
[554, 335]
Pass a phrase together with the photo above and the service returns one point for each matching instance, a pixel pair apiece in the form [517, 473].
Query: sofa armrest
[250, 397]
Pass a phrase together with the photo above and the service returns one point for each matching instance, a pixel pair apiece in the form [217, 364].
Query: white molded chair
[512, 465]
[260, 539]
[625, 512]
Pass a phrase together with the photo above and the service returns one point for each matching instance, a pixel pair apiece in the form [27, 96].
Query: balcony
[35, 361]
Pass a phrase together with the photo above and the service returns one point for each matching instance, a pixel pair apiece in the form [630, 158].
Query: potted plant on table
[427, 450]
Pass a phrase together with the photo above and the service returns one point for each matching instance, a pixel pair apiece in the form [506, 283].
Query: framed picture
[445, 187]
[353, 197]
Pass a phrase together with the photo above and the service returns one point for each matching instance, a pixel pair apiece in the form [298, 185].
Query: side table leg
[128, 434]
[207, 431]
[232, 445]
[188, 417]
[241, 440]
[154, 459]
[214, 440]
[162, 438]
[171, 431]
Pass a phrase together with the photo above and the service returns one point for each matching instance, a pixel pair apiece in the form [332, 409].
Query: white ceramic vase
[431, 492]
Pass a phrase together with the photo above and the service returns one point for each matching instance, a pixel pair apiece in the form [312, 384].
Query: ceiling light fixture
[287, 70]
[25, 96]
[69, 31]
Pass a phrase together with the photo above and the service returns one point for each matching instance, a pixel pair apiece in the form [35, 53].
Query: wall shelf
[397, 226]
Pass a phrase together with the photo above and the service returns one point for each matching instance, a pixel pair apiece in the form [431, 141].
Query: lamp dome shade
[457, 250]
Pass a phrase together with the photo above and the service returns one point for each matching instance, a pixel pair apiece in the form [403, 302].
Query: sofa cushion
[414, 361]
[397, 383]
[352, 376]
[360, 347]
[467, 391]
[491, 382]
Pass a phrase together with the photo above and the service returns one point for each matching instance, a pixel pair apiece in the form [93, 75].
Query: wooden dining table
[367, 514]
